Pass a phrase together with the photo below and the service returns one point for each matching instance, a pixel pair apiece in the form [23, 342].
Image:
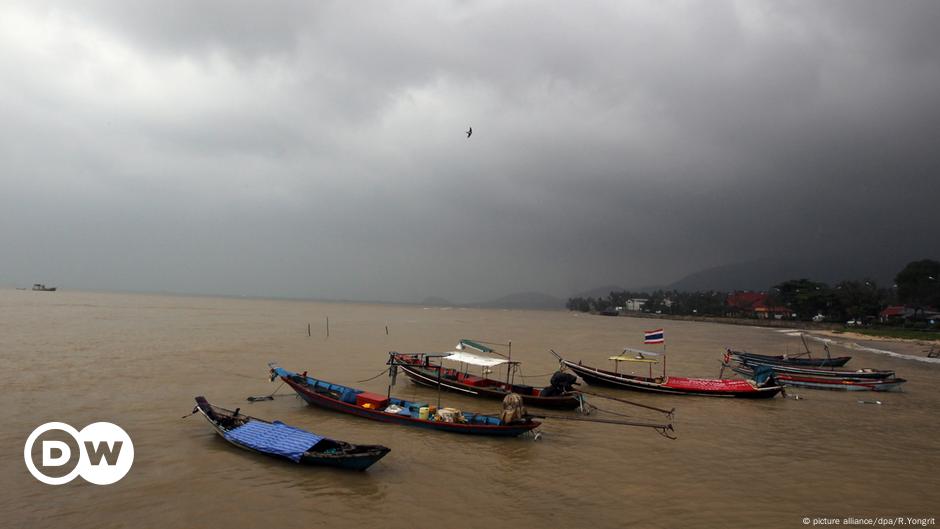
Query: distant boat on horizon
[39, 287]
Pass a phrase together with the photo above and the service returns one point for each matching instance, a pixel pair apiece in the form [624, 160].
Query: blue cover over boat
[276, 438]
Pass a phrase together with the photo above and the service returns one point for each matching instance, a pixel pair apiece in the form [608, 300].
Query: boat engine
[561, 383]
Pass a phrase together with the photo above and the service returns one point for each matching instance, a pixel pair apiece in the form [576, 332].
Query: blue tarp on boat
[277, 439]
[762, 374]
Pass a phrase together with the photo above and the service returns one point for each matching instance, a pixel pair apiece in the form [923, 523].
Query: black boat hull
[426, 378]
[838, 361]
[871, 374]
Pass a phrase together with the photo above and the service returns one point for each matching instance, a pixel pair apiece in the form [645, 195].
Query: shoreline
[868, 338]
[750, 322]
[902, 348]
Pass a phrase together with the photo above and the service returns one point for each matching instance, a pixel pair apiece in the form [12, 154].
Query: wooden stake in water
[327, 326]
[308, 329]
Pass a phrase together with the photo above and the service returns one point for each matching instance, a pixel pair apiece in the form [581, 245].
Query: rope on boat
[668, 413]
[536, 376]
[382, 372]
[592, 407]
[662, 429]
[265, 397]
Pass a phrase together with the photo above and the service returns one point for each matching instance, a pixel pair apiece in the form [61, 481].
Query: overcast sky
[317, 148]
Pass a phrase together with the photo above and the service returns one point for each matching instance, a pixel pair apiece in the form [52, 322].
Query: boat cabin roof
[625, 358]
[635, 355]
[476, 360]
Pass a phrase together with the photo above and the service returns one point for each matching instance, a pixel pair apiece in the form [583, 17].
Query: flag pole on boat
[653, 337]
[439, 369]
[509, 365]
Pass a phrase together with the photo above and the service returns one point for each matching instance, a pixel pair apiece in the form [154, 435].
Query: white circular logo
[106, 453]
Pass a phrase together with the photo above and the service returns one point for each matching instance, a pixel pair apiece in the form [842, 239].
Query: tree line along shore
[908, 309]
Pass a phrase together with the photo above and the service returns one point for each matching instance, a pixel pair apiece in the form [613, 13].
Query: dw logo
[105, 453]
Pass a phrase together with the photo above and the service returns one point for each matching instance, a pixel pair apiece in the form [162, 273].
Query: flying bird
[469, 131]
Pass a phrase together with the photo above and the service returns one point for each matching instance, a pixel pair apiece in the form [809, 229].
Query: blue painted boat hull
[305, 387]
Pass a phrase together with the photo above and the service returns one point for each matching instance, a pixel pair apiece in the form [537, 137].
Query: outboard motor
[561, 383]
[764, 376]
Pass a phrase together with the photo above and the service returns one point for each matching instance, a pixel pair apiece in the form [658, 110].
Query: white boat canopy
[472, 359]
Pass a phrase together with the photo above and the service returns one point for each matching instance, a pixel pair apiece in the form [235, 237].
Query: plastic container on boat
[375, 401]
[423, 413]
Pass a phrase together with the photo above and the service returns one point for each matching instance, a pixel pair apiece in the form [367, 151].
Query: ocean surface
[138, 360]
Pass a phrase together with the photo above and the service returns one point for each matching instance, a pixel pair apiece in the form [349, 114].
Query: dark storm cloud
[317, 149]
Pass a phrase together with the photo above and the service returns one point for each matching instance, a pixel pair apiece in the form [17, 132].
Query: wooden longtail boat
[830, 383]
[426, 369]
[704, 387]
[784, 360]
[888, 384]
[866, 374]
[280, 440]
[394, 410]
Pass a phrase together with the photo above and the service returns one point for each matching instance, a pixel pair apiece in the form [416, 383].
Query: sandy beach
[911, 348]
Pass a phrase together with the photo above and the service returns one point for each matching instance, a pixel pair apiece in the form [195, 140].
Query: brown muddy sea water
[138, 360]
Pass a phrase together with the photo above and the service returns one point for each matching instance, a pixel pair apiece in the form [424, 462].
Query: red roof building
[893, 311]
[903, 312]
[755, 305]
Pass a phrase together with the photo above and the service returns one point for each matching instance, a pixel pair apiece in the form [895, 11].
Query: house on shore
[748, 304]
[635, 304]
[896, 314]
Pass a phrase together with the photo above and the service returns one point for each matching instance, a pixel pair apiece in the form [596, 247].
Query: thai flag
[656, 336]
